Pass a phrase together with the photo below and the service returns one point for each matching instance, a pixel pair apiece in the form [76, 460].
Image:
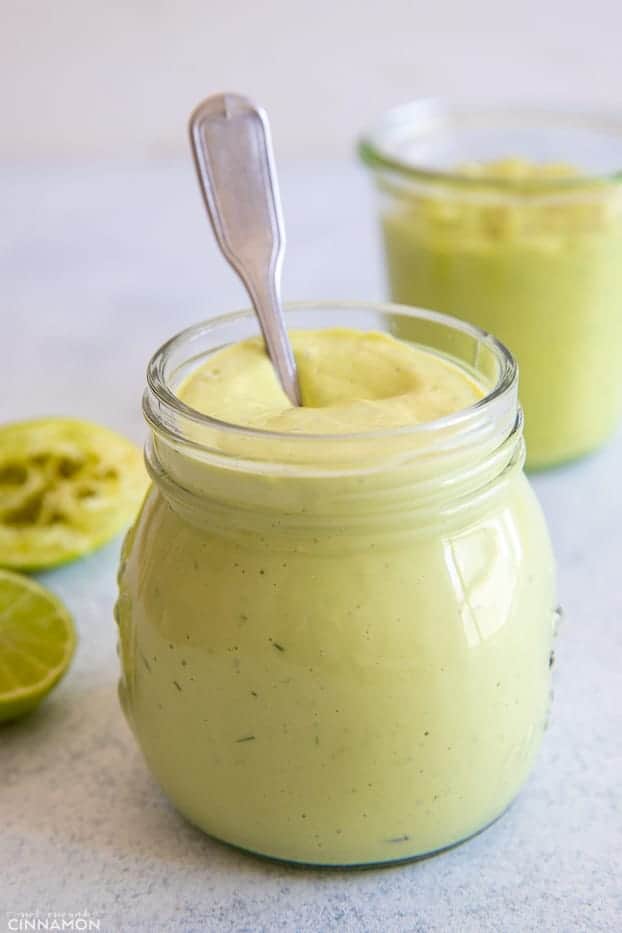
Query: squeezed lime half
[66, 487]
[37, 642]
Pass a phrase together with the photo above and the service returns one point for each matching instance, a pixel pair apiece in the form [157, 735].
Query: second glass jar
[512, 219]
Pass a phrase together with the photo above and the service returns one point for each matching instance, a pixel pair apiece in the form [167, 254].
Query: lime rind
[37, 643]
[66, 487]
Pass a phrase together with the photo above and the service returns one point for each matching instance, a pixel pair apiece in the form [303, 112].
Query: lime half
[66, 487]
[37, 641]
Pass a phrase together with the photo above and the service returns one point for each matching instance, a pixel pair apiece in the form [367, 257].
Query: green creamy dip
[350, 382]
[540, 267]
[346, 660]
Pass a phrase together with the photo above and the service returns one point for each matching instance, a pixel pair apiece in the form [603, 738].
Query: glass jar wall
[512, 219]
[335, 649]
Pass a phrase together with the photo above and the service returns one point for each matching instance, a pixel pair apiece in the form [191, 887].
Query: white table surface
[98, 265]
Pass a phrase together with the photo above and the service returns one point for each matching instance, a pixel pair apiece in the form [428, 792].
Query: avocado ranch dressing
[342, 659]
[350, 382]
[539, 268]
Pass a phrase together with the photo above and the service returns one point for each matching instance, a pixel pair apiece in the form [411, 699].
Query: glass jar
[335, 649]
[531, 255]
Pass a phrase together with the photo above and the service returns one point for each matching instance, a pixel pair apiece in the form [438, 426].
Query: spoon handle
[232, 151]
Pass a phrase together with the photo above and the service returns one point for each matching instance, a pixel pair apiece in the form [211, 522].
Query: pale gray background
[118, 78]
[104, 252]
[100, 266]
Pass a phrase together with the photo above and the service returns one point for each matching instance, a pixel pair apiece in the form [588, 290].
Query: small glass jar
[532, 254]
[335, 649]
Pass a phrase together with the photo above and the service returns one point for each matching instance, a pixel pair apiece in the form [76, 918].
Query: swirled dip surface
[351, 381]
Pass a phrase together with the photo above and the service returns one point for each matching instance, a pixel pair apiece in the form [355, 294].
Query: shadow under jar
[335, 648]
[511, 218]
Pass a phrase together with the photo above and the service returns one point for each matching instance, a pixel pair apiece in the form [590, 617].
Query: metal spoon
[232, 151]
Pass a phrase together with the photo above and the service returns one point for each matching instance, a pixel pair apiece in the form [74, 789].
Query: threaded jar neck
[333, 477]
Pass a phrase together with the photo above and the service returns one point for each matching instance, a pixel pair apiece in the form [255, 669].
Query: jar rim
[377, 146]
[159, 390]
